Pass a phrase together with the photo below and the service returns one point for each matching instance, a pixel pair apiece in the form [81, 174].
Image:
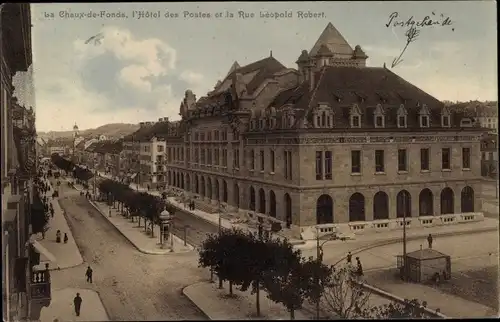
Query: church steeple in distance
[75, 130]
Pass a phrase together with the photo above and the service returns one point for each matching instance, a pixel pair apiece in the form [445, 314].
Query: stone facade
[318, 146]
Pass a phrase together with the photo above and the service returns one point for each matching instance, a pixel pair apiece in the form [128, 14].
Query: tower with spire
[75, 131]
[331, 49]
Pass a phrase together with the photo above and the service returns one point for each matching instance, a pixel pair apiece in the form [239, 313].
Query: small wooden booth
[425, 265]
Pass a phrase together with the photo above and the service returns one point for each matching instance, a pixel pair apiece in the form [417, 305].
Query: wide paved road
[197, 230]
[133, 286]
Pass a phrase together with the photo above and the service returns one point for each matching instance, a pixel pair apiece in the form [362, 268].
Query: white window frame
[404, 114]
[379, 113]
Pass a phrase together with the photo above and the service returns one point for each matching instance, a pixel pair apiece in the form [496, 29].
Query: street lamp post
[405, 267]
[319, 258]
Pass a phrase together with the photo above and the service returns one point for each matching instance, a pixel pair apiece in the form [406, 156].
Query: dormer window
[424, 120]
[402, 117]
[355, 121]
[445, 118]
[323, 117]
[424, 116]
[355, 117]
[379, 117]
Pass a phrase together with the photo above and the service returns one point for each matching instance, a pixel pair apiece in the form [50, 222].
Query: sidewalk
[217, 305]
[62, 308]
[65, 255]
[137, 235]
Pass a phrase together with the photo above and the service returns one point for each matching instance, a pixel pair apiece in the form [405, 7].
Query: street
[459, 247]
[132, 285]
[197, 229]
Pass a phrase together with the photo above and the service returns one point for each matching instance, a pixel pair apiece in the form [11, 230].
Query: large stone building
[23, 295]
[334, 141]
[331, 143]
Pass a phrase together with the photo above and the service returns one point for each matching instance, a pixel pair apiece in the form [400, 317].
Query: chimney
[141, 124]
[311, 79]
[160, 119]
[165, 119]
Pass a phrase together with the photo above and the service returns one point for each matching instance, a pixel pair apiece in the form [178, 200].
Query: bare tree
[343, 297]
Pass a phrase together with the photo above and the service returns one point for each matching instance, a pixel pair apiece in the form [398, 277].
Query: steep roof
[92, 147]
[263, 69]
[333, 40]
[109, 146]
[60, 142]
[234, 67]
[342, 87]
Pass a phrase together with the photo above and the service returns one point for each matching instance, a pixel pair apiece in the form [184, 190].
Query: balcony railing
[40, 285]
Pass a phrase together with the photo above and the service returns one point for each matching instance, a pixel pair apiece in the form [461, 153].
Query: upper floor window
[424, 159]
[356, 161]
[402, 160]
[355, 116]
[445, 118]
[328, 165]
[446, 158]
[319, 165]
[379, 161]
[402, 116]
[379, 117]
[252, 159]
[423, 116]
[262, 160]
[466, 158]
[272, 160]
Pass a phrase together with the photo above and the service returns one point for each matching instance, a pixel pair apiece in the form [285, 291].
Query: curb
[397, 240]
[194, 303]
[142, 250]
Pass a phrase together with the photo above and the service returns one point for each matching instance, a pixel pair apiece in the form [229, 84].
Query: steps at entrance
[206, 207]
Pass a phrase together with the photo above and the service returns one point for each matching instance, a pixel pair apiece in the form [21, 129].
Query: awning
[43, 251]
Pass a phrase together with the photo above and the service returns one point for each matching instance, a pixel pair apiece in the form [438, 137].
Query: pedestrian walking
[360, 267]
[349, 258]
[58, 236]
[65, 238]
[89, 274]
[429, 241]
[51, 211]
[77, 301]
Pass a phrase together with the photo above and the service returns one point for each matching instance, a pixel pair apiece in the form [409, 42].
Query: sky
[139, 69]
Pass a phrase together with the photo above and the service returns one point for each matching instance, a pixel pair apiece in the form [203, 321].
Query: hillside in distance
[111, 131]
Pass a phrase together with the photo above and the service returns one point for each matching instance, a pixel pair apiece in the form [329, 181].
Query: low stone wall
[377, 226]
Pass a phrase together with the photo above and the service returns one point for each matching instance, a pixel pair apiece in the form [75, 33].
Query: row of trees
[138, 204]
[273, 265]
[39, 213]
[79, 173]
